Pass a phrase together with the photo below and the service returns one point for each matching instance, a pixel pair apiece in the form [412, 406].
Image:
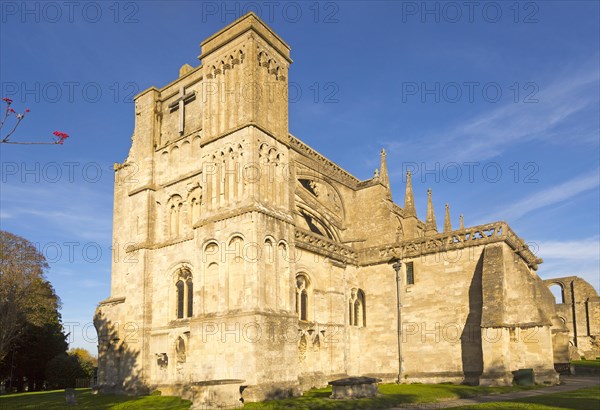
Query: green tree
[62, 371]
[30, 325]
[88, 362]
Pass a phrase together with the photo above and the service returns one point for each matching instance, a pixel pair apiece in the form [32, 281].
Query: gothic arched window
[357, 308]
[184, 289]
[180, 297]
[302, 297]
[190, 297]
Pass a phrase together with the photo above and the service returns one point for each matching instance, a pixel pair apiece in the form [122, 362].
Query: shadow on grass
[390, 395]
[588, 398]
[86, 400]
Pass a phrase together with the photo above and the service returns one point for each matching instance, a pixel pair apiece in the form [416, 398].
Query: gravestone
[70, 397]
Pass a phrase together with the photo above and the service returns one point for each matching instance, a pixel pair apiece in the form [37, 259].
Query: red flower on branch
[61, 137]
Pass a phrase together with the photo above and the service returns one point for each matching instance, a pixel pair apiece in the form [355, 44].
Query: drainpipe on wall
[397, 265]
[345, 325]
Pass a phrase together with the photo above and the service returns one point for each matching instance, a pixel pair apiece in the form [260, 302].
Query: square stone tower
[202, 225]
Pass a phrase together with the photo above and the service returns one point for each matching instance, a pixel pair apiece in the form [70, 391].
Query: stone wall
[578, 308]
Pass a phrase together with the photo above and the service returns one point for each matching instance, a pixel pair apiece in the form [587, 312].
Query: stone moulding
[112, 301]
[328, 167]
[193, 133]
[449, 241]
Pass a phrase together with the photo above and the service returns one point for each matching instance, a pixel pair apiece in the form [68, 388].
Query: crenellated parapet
[451, 241]
[323, 246]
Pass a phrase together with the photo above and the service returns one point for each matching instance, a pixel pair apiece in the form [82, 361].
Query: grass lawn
[586, 363]
[86, 400]
[391, 395]
[578, 399]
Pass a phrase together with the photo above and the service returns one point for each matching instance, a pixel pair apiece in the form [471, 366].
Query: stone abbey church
[254, 264]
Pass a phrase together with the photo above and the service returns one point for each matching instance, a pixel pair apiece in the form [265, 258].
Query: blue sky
[495, 106]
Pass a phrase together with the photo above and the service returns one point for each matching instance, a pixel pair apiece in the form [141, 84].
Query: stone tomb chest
[354, 387]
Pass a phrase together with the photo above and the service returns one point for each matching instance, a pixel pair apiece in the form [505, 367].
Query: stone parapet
[450, 241]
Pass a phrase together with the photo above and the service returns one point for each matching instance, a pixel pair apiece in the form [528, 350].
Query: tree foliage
[87, 361]
[31, 331]
[63, 370]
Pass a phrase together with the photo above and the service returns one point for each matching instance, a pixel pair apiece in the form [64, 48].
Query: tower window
[180, 296]
[190, 297]
[410, 273]
[184, 289]
[302, 297]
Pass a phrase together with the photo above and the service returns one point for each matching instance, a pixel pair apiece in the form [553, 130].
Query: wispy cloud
[76, 210]
[489, 134]
[582, 249]
[550, 196]
[5, 215]
[580, 257]
[90, 283]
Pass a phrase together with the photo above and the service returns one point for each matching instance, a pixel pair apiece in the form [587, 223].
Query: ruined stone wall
[580, 309]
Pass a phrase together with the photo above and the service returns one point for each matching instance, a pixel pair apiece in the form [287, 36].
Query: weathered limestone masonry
[243, 257]
[578, 326]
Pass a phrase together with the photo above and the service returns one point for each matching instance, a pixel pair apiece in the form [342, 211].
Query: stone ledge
[112, 301]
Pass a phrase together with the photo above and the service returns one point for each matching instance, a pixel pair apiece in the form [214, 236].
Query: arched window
[357, 312]
[357, 308]
[302, 297]
[237, 280]
[360, 308]
[195, 201]
[270, 273]
[303, 305]
[174, 217]
[180, 297]
[558, 292]
[190, 297]
[184, 288]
